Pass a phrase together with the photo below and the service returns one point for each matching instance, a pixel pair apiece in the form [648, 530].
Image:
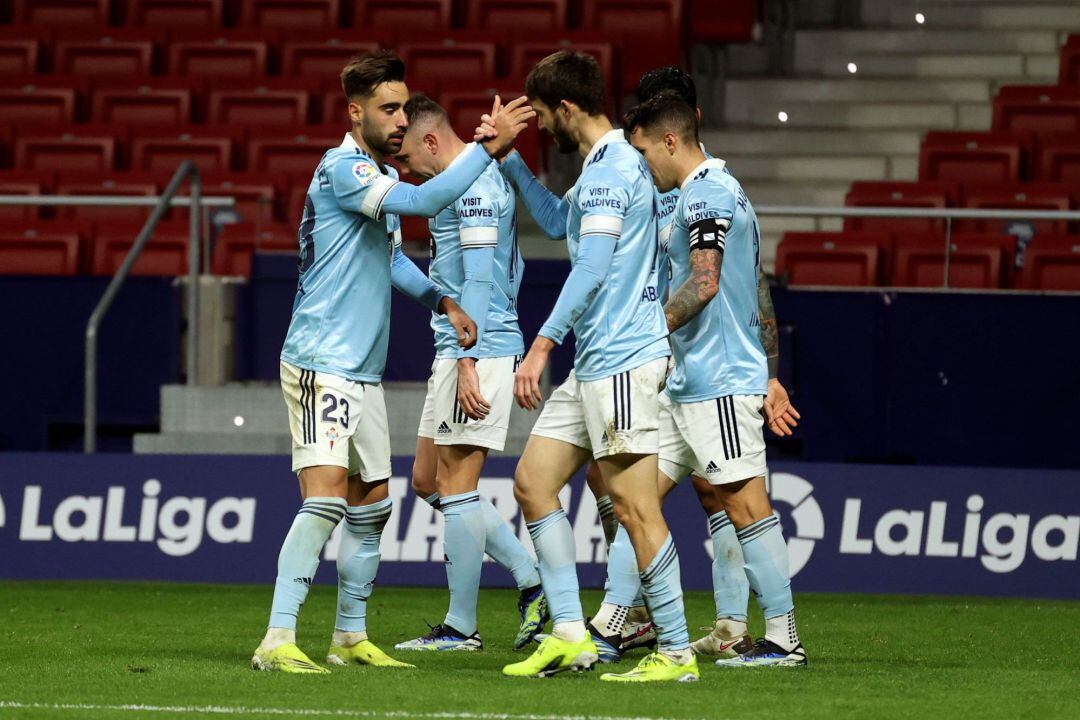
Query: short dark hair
[667, 112]
[671, 78]
[420, 108]
[565, 75]
[364, 72]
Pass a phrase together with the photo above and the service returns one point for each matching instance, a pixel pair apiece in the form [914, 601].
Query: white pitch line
[303, 712]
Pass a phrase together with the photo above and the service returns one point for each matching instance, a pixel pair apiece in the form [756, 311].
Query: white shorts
[613, 416]
[335, 421]
[445, 421]
[721, 440]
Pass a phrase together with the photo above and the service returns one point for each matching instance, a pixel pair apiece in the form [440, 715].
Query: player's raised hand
[527, 378]
[779, 412]
[461, 322]
[510, 120]
[487, 129]
[469, 396]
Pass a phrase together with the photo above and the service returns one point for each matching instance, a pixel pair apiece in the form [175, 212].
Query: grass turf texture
[109, 644]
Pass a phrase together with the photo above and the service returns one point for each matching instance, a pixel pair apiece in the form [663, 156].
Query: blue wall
[929, 378]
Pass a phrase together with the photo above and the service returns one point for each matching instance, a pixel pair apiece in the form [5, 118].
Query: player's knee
[526, 492]
[633, 515]
[422, 484]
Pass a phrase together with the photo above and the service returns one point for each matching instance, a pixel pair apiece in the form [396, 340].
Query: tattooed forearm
[767, 315]
[694, 294]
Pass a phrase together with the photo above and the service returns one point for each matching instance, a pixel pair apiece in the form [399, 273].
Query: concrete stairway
[250, 419]
[909, 78]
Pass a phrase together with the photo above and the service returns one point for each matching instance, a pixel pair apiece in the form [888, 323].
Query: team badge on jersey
[365, 173]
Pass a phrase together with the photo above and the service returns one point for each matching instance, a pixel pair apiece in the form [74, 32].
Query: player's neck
[454, 147]
[589, 131]
[362, 144]
[687, 159]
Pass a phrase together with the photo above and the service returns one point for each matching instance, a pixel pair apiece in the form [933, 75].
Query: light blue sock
[662, 587]
[299, 556]
[766, 559]
[623, 579]
[463, 544]
[606, 509]
[553, 539]
[433, 500]
[731, 589]
[358, 562]
[505, 548]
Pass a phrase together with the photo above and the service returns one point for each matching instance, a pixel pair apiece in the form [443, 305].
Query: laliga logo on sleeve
[809, 525]
[365, 173]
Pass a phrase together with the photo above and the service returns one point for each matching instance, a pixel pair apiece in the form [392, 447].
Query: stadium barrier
[850, 528]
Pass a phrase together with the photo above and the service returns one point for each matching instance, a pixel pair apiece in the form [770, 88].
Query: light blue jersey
[341, 314]
[623, 325]
[719, 352]
[484, 217]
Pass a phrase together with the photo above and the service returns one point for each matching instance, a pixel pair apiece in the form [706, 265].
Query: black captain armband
[709, 234]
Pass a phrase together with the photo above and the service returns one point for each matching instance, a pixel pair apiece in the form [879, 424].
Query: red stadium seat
[974, 262]
[19, 56]
[415, 231]
[1025, 196]
[175, 13]
[153, 101]
[1059, 160]
[514, 15]
[104, 56]
[212, 149]
[22, 182]
[62, 13]
[36, 102]
[321, 58]
[651, 28]
[290, 14]
[335, 108]
[260, 106]
[106, 184]
[1069, 72]
[937, 195]
[448, 60]
[292, 150]
[66, 150]
[527, 51]
[218, 57]
[1051, 263]
[165, 254]
[973, 156]
[845, 259]
[41, 249]
[1038, 109]
[416, 15]
[254, 194]
[237, 243]
[734, 24]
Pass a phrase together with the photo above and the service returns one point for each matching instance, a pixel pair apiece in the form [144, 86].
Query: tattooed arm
[701, 287]
[767, 315]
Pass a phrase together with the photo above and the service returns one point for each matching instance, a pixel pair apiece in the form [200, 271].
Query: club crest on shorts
[365, 173]
[333, 435]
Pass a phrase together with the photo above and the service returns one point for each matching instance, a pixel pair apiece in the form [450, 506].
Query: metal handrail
[187, 171]
[112, 200]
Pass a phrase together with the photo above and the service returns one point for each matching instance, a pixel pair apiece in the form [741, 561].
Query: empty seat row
[1038, 109]
[71, 248]
[975, 261]
[646, 19]
[941, 194]
[994, 157]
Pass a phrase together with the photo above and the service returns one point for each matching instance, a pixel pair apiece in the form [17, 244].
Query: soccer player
[713, 405]
[608, 407]
[728, 636]
[476, 260]
[335, 352]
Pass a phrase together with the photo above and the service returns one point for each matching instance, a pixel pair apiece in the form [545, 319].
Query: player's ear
[670, 142]
[356, 112]
[566, 107]
[431, 143]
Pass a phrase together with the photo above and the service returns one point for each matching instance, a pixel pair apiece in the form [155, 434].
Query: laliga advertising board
[850, 528]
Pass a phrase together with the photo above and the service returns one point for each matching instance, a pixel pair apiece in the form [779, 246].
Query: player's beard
[384, 145]
[563, 141]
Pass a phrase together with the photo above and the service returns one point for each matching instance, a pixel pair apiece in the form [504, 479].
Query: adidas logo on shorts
[711, 468]
[444, 429]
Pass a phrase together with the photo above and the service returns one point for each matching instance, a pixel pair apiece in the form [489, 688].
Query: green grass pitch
[78, 650]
